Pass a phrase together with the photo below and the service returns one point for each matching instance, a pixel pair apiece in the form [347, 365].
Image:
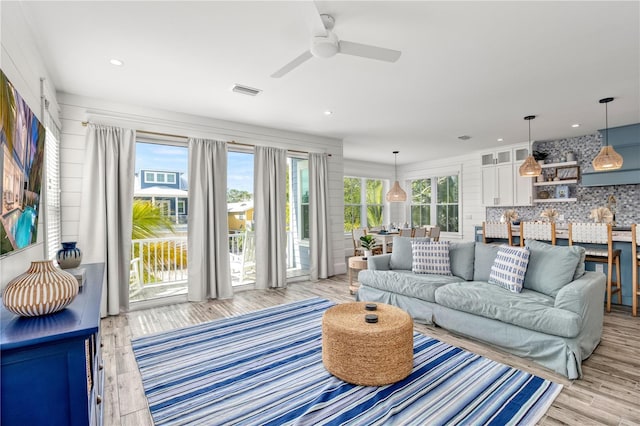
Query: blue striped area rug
[265, 368]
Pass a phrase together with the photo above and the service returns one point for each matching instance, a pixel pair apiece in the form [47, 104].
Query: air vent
[245, 90]
[464, 137]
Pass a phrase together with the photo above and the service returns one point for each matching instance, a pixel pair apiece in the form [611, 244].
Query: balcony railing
[159, 265]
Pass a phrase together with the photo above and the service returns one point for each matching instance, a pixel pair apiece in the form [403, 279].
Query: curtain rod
[232, 142]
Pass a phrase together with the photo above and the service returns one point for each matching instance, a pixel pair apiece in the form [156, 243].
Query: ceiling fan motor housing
[325, 46]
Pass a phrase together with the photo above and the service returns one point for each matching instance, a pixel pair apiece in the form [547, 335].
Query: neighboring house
[240, 216]
[167, 189]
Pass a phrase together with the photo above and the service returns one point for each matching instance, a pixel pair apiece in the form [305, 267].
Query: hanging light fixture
[607, 158]
[396, 194]
[530, 167]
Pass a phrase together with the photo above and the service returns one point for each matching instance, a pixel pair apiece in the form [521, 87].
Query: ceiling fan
[327, 45]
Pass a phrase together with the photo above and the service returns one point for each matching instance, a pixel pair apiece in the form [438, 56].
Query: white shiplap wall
[21, 62]
[76, 109]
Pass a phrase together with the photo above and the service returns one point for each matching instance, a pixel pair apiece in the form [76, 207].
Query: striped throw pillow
[431, 257]
[509, 268]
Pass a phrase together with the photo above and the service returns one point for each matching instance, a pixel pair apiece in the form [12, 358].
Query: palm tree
[150, 222]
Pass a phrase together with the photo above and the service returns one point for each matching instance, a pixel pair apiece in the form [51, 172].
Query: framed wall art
[21, 162]
[566, 173]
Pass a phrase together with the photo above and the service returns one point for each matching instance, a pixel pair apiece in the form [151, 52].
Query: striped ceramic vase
[42, 290]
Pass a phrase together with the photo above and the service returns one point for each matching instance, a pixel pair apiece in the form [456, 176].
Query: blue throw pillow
[431, 257]
[509, 268]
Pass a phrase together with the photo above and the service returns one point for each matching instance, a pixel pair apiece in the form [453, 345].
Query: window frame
[364, 205]
[434, 175]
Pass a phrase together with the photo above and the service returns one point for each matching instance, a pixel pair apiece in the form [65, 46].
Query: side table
[358, 263]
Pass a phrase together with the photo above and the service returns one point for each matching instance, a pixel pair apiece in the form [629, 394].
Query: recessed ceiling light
[500, 139]
[327, 112]
[116, 62]
[575, 125]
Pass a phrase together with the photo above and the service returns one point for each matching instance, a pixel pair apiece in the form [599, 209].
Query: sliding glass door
[159, 239]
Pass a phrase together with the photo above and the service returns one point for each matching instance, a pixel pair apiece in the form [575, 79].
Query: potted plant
[540, 156]
[367, 242]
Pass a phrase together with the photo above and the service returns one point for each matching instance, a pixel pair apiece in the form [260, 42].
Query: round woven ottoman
[368, 354]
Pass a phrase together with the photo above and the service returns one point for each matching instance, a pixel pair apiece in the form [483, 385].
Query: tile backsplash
[585, 148]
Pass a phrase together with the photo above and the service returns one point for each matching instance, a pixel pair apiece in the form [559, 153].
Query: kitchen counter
[621, 240]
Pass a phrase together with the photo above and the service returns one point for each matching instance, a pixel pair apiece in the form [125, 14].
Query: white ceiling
[467, 68]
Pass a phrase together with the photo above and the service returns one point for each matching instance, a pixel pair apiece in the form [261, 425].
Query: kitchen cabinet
[52, 371]
[502, 184]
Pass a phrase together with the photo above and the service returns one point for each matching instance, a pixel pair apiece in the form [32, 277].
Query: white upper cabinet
[502, 184]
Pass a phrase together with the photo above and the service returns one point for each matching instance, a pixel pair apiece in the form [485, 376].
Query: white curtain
[106, 210]
[319, 247]
[269, 189]
[208, 247]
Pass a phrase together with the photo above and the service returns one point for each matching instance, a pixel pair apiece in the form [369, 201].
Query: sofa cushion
[551, 267]
[509, 268]
[580, 269]
[430, 257]
[406, 283]
[401, 257]
[462, 255]
[485, 254]
[529, 309]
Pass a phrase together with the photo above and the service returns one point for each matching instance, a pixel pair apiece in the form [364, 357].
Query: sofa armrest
[380, 262]
[583, 295]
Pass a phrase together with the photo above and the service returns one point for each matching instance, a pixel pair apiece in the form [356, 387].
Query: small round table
[368, 354]
[358, 263]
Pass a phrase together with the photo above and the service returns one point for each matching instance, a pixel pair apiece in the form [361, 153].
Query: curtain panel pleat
[319, 247]
[104, 233]
[209, 272]
[270, 174]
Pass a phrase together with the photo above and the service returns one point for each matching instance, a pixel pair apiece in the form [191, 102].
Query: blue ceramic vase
[69, 256]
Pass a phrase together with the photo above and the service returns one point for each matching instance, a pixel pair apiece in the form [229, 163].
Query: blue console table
[51, 366]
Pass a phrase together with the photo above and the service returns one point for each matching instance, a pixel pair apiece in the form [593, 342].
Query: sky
[176, 158]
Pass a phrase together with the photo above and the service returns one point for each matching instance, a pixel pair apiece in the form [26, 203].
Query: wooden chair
[542, 231]
[501, 230]
[434, 233]
[420, 232]
[405, 232]
[599, 233]
[355, 236]
[635, 240]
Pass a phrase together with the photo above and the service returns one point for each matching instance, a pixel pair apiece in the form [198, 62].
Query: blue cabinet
[51, 366]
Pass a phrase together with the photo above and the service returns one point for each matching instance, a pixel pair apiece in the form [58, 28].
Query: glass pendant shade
[396, 194]
[607, 159]
[530, 167]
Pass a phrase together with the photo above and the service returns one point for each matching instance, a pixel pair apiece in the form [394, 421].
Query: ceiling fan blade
[293, 64]
[367, 51]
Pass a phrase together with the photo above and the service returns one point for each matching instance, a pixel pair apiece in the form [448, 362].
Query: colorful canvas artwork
[21, 162]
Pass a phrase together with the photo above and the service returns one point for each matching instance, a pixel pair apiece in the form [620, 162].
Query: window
[182, 207]
[358, 214]
[304, 199]
[52, 206]
[420, 202]
[159, 177]
[352, 204]
[447, 206]
[434, 201]
[171, 178]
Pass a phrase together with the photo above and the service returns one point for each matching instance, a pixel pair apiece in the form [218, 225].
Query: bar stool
[635, 240]
[541, 231]
[599, 233]
[500, 230]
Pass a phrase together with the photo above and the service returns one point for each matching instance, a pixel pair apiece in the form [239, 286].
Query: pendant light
[530, 167]
[608, 158]
[396, 194]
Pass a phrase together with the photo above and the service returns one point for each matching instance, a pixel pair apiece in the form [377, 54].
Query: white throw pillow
[431, 257]
[509, 268]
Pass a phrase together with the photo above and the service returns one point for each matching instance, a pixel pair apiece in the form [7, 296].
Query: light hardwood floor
[608, 394]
